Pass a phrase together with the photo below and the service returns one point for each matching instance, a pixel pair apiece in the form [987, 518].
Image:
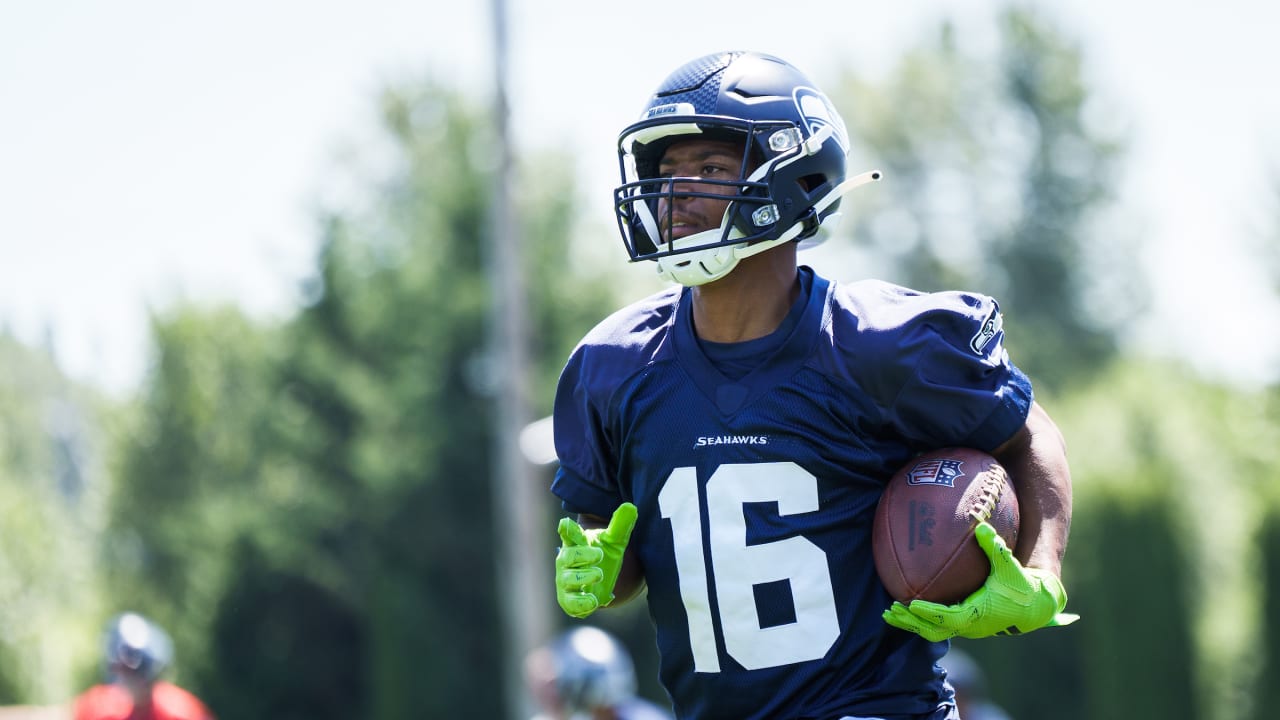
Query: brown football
[923, 530]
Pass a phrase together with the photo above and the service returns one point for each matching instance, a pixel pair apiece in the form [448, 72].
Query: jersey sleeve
[583, 445]
[585, 421]
[934, 364]
[103, 702]
[174, 703]
[959, 386]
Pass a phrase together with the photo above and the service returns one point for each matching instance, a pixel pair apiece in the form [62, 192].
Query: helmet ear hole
[812, 182]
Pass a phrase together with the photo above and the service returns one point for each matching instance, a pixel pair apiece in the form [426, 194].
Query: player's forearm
[630, 580]
[1037, 464]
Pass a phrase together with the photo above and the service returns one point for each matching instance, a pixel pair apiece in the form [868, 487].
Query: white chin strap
[699, 267]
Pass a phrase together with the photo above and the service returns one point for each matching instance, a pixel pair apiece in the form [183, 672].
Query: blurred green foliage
[997, 175]
[305, 504]
[310, 503]
[53, 434]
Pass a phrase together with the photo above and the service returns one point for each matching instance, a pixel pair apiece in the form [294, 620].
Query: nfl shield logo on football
[935, 472]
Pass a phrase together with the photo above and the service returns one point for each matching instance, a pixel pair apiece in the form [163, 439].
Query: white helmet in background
[136, 649]
[591, 670]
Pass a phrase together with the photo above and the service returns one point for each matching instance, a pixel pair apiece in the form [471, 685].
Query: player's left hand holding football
[1014, 600]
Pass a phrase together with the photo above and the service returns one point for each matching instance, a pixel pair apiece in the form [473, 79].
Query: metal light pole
[522, 572]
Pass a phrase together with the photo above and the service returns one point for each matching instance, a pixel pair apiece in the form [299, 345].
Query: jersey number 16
[739, 566]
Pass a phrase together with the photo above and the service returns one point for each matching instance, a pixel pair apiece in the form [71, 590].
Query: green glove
[1014, 600]
[588, 563]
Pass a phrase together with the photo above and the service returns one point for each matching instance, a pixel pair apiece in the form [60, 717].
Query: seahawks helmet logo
[818, 113]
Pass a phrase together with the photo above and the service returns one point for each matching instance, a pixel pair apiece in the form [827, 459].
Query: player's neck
[749, 302]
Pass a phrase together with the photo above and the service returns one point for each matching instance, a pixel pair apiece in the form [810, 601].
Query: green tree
[994, 180]
[189, 478]
[340, 463]
[53, 434]
[1174, 476]
[391, 383]
[1269, 662]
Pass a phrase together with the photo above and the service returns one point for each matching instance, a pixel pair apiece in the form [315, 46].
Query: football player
[723, 443]
[136, 653]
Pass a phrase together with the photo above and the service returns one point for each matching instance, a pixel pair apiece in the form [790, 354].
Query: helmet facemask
[753, 220]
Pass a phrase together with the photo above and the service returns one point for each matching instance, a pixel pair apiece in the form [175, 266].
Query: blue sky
[151, 152]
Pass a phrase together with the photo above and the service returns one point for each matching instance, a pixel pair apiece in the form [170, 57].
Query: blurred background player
[136, 652]
[970, 683]
[586, 673]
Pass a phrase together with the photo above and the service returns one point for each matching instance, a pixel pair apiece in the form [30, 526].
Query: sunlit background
[153, 151]
[156, 156]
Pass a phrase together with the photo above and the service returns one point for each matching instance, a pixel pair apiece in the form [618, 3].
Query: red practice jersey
[112, 702]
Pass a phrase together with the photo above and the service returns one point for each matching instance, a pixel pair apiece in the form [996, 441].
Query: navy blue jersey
[756, 496]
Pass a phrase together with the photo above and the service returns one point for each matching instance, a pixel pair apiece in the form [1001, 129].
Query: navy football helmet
[794, 150]
[136, 649]
[592, 670]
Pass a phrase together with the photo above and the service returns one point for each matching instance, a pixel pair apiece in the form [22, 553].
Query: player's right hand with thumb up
[589, 561]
